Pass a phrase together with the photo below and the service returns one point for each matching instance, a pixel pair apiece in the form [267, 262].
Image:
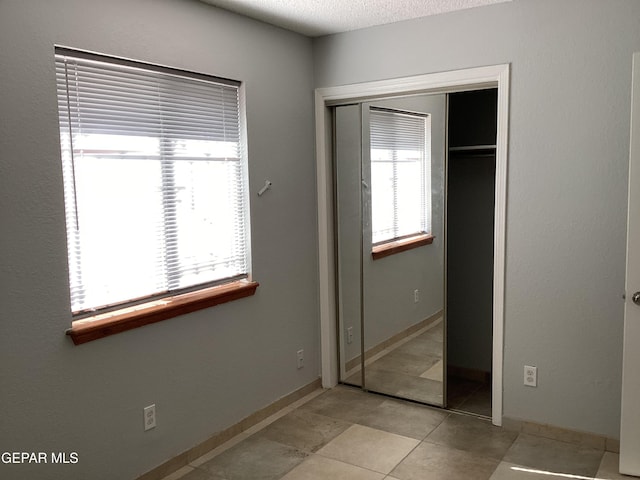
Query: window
[400, 175]
[155, 181]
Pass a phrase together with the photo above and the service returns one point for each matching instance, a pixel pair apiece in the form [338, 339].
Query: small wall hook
[267, 186]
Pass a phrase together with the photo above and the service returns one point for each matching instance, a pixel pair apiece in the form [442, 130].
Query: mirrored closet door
[389, 195]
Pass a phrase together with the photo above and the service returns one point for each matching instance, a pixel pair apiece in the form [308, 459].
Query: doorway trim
[442, 82]
[629, 424]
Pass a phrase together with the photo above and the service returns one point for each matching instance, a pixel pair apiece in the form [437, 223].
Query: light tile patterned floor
[347, 434]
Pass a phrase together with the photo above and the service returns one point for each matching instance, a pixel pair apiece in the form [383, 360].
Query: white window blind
[154, 178]
[400, 174]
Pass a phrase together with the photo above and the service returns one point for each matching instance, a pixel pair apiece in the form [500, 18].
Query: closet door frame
[444, 82]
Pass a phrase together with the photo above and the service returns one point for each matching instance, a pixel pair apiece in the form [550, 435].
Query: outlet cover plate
[149, 417]
[300, 356]
[530, 376]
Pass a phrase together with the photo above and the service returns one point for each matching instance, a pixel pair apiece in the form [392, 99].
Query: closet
[472, 121]
[417, 324]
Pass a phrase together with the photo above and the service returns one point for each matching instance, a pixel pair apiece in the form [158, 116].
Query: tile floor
[345, 433]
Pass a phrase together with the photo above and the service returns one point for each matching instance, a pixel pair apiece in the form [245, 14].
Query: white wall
[206, 370]
[567, 180]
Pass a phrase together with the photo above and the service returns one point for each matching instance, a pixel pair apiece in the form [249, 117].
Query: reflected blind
[154, 180]
[400, 174]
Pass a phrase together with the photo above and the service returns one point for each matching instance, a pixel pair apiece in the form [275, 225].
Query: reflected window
[400, 174]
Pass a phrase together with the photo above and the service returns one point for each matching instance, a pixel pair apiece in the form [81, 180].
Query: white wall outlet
[350, 335]
[149, 417]
[416, 296]
[300, 355]
[530, 376]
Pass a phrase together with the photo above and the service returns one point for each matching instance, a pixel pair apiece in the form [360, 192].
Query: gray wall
[206, 370]
[567, 180]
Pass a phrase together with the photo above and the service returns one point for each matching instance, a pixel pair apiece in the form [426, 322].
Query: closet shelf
[472, 148]
[473, 151]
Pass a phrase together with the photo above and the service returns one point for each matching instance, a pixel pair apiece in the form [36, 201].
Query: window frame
[91, 324]
[408, 241]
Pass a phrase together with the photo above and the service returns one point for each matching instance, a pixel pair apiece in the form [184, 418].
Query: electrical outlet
[530, 376]
[416, 296]
[149, 417]
[350, 335]
[300, 355]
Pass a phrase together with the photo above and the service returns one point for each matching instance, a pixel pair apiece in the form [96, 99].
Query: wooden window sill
[397, 246]
[103, 325]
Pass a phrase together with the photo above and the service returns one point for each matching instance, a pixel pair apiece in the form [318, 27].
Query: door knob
[636, 298]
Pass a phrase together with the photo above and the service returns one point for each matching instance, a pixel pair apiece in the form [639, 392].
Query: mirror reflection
[390, 224]
[398, 334]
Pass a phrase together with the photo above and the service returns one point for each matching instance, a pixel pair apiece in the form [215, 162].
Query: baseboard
[552, 432]
[389, 342]
[183, 459]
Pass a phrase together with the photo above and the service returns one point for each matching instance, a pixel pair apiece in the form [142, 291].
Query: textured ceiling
[321, 17]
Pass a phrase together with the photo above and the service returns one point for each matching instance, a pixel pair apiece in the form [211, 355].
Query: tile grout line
[406, 456]
[420, 442]
[346, 463]
[358, 466]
